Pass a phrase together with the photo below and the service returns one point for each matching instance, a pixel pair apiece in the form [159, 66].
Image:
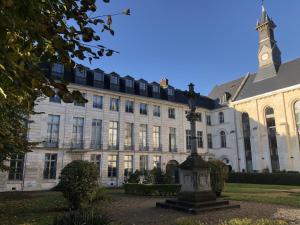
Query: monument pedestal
[196, 194]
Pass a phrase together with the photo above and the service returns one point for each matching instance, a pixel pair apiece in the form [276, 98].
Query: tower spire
[269, 55]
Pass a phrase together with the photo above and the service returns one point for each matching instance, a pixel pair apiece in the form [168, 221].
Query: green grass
[30, 208]
[274, 194]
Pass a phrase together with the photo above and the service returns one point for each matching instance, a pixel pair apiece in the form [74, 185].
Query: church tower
[269, 55]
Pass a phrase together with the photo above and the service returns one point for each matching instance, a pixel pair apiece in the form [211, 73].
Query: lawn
[275, 194]
[39, 208]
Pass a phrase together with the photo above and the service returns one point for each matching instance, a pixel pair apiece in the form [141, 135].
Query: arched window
[247, 142]
[221, 117]
[297, 117]
[223, 139]
[271, 128]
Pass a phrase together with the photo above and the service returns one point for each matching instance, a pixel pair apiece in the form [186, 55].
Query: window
[55, 98]
[172, 139]
[170, 91]
[129, 83]
[98, 76]
[113, 135]
[114, 104]
[200, 139]
[157, 161]
[96, 134]
[78, 126]
[16, 167]
[96, 159]
[114, 80]
[271, 128]
[188, 139]
[297, 117]
[129, 106]
[128, 142]
[53, 131]
[143, 163]
[143, 86]
[209, 141]
[199, 117]
[143, 140]
[208, 120]
[58, 69]
[143, 109]
[247, 142]
[223, 139]
[112, 166]
[156, 110]
[171, 113]
[80, 72]
[156, 138]
[81, 104]
[221, 117]
[50, 166]
[97, 102]
[156, 88]
[128, 169]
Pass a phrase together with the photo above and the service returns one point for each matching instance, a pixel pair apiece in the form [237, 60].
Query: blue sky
[207, 42]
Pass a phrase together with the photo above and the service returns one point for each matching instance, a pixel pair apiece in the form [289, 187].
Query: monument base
[196, 207]
[196, 196]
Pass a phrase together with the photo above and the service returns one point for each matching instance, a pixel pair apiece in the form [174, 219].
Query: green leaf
[2, 92]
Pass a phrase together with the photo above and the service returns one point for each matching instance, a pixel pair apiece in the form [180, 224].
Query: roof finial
[263, 5]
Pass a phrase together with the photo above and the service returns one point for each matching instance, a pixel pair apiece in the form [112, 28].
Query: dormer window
[114, 79]
[143, 86]
[129, 83]
[80, 72]
[156, 88]
[58, 69]
[98, 76]
[170, 91]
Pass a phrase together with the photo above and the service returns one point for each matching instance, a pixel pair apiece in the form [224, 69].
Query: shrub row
[152, 189]
[265, 178]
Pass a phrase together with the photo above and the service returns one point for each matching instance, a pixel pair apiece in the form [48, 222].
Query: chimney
[164, 83]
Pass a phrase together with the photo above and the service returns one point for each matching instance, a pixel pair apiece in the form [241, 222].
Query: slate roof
[179, 95]
[288, 75]
[219, 91]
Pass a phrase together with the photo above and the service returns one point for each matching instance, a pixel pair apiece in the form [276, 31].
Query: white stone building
[251, 124]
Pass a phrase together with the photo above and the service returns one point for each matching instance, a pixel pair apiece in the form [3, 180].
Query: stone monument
[196, 194]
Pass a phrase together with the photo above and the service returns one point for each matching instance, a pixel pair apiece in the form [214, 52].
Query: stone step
[194, 210]
[197, 204]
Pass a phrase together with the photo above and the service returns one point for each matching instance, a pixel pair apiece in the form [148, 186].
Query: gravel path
[140, 210]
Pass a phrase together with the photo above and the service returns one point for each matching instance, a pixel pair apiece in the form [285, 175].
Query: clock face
[265, 56]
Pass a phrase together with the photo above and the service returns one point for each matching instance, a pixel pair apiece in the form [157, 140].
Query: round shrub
[77, 180]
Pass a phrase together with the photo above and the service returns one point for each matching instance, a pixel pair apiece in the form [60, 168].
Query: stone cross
[193, 116]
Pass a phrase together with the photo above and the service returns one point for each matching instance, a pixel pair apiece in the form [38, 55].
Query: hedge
[265, 178]
[152, 189]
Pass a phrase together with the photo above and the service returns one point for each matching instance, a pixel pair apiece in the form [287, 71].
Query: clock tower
[269, 55]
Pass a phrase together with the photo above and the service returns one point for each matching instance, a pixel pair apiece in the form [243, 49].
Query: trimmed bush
[155, 176]
[265, 178]
[82, 217]
[152, 189]
[218, 176]
[77, 180]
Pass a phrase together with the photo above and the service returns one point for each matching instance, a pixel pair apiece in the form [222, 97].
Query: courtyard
[257, 201]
